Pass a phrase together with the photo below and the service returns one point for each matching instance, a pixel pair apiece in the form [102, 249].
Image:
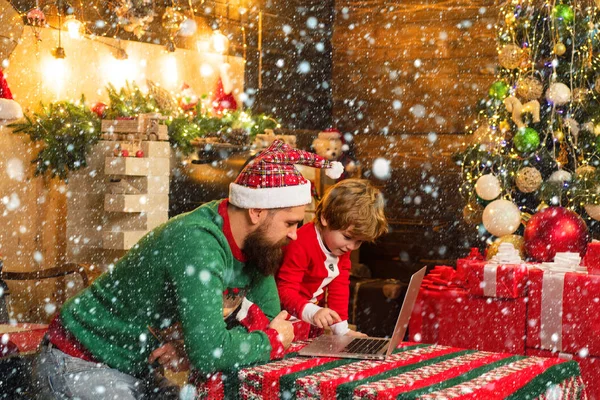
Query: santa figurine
[223, 99]
[9, 109]
[188, 99]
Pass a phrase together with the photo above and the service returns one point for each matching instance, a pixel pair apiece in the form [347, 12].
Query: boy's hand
[284, 328]
[326, 317]
[355, 334]
[171, 356]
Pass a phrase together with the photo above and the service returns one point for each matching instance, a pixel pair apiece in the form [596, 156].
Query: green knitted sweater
[177, 272]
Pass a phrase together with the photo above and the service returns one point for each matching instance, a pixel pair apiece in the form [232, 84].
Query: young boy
[350, 213]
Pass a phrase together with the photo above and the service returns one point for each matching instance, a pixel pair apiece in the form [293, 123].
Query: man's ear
[257, 215]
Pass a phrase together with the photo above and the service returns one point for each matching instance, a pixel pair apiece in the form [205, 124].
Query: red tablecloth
[413, 372]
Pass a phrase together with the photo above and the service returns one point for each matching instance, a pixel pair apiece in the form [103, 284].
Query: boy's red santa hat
[272, 181]
[9, 109]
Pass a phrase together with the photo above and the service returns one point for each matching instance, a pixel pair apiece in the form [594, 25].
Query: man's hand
[357, 334]
[171, 356]
[326, 317]
[284, 328]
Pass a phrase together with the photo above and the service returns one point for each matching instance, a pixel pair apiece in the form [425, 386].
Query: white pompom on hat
[272, 181]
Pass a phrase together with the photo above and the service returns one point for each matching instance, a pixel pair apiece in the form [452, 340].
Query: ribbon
[507, 255]
[441, 278]
[490, 280]
[552, 311]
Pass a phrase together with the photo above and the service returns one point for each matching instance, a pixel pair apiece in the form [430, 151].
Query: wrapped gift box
[508, 281]
[24, 337]
[504, 276]
[564, 312]
[590, 369]
[451, 316]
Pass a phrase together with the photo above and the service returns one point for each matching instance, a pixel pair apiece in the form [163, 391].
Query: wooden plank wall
[414, 66]
[300, 100]
[407, 77]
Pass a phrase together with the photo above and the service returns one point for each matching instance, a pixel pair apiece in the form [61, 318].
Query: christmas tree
[537, 138]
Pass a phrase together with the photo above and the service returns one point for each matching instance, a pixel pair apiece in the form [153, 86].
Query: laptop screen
[406, 310]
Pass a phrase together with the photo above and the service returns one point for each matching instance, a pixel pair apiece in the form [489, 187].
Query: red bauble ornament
[139, 154]
[99, 109]
[124, 153]
[554, 230]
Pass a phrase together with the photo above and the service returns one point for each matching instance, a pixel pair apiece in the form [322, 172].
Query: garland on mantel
[66, 131]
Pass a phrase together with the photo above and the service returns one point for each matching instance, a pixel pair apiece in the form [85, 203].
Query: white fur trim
[10, 109]
[243, 313]
[341, 328]
[277, 197]
[225, 69]
[336, 170]
[309, 311]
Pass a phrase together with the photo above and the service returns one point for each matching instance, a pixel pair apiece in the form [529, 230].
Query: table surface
[414, 371]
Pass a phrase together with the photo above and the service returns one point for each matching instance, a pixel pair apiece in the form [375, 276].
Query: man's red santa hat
[272, 181]
[9, 109]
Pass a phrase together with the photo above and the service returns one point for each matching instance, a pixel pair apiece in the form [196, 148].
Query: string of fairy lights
[536, 141]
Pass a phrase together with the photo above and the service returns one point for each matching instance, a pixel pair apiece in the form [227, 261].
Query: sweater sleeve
[263, 293]
[338, 290]
[196, 267]
[289, 279]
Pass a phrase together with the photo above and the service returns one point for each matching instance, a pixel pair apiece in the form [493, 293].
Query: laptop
[368, 348]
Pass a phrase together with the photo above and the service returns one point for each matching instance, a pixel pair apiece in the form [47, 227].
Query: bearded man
[203, 270]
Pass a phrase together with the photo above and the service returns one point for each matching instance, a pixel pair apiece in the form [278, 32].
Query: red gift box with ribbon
[564, 312]
[483, 278]
[446, 314]
[503, 276]
[590, 369]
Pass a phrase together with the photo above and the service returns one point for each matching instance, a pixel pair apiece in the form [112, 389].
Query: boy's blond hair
[353, 203]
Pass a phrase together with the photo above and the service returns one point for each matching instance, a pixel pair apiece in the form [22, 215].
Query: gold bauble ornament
[559, 135]
[472, 213]
[528, 179]
[585, 171]
[530, 88]
[510, 56]
[542, 206]
[560, 49]
[504, 126]
[517, 241]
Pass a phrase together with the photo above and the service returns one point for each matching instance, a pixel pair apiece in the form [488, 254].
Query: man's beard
[263, 255]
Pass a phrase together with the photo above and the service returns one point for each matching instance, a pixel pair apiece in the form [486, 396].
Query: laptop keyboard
[365, 346]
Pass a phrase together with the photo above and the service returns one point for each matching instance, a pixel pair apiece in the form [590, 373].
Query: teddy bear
[329, 144]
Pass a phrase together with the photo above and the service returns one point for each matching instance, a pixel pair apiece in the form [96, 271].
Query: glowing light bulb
[74, 27]
[220, 42]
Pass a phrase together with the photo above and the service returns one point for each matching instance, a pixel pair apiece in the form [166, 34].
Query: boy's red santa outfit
[308, 268]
